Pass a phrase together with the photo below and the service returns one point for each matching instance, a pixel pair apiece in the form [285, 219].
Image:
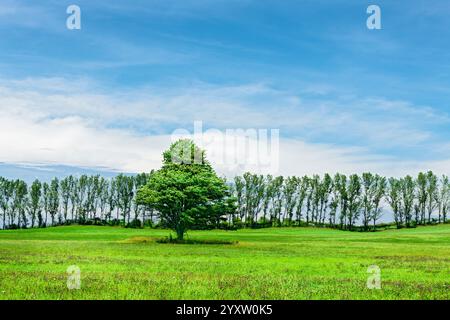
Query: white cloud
[83, 124]
[71, 141]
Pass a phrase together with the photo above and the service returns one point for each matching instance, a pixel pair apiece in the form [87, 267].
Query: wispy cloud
[81, 122]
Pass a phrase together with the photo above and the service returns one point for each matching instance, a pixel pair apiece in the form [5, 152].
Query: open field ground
[282, 263]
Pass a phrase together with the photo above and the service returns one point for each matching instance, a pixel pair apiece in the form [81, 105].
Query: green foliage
[34, 204]
[53, 199]
[185, 192]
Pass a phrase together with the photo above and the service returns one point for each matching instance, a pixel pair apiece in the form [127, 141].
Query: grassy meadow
[281, 263]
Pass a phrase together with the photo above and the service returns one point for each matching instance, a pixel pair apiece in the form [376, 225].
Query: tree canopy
[186, 190]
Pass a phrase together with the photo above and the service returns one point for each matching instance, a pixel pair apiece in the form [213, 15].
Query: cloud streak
[80, 122]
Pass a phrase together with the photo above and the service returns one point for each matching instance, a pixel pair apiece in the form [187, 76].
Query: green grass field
[285, 263]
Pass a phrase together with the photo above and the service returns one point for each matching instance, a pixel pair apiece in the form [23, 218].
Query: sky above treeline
[343, 97]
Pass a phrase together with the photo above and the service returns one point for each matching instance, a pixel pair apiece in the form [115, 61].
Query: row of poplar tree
[338, 201]
[85, 199]
[357, 201]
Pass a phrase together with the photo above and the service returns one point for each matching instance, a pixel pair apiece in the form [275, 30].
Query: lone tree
[186, 191]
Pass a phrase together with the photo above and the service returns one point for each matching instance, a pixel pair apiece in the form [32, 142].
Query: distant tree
[239, 186]
[102, 196]
[268, 195]
[53, 199]
[118, 200]
[432, 193]
[290, 197]
[315, 197]
[277, 200]
[309, 199]
[45, 203]
[341, 184]
[368, 198]
[6, 192]
[91, 197]
[149, 211]
[380, 192]
[302, 189]
[73, 196]
[139, 181]
[335, 200]
[95, 197]
[354, 199]
[18, 203]
[422, 196]
[394, 199]
[34, 204]
[443, 198]
[325, 190]
[253, 195]
[81, 196]
[221, 210]
[65, 189]
[112, 198]
[408, 188]
[125, 189]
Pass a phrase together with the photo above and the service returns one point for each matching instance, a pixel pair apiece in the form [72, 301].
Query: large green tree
[186, 191]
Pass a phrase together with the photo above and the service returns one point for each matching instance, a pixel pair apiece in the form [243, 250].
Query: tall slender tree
[34, 204]
[422, 196]
[6, 192]
[380, 192]
[302, 189]
[354, 199]
[443, 198]
[290, 197]
[125, 189]
[65, 190]
[432, 193]
[277, 200]
[394, 198]
[408, 189]
[18, 203]
[53, 199]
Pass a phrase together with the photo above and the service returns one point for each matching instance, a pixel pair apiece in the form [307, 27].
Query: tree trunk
[180, 233]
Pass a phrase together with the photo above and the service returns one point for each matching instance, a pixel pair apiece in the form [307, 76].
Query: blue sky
[344, 98]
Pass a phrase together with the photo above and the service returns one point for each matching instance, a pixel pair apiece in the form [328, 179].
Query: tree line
[353, 202]
[84, 200]
[338, 201]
